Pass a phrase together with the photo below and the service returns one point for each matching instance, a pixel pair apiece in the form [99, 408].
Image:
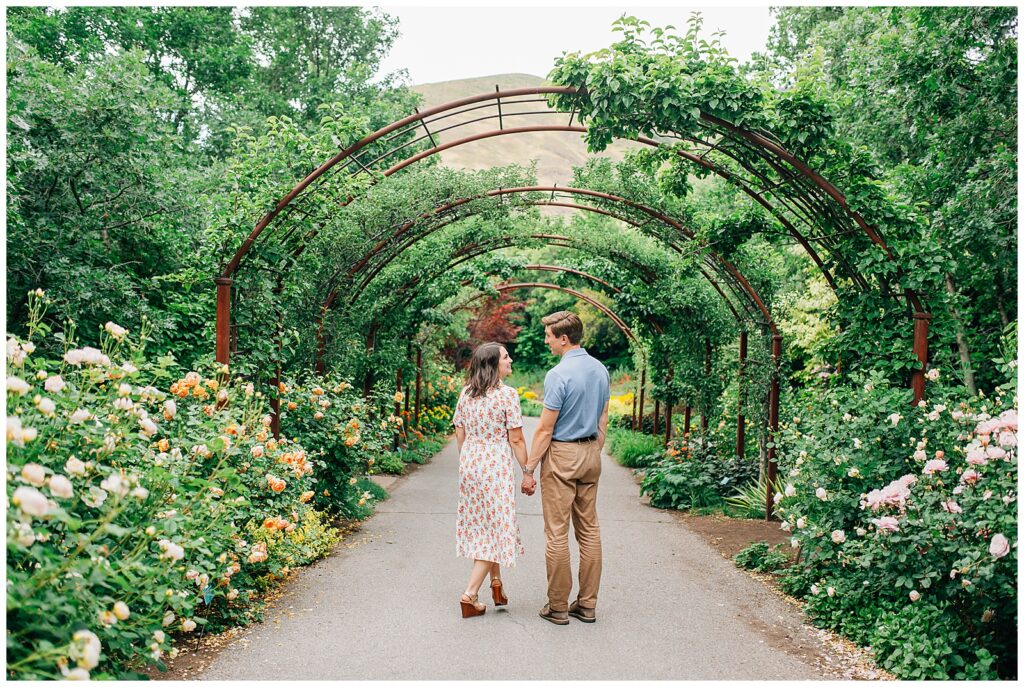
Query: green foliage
[631, 448]
[692, 475]
[391, 464]
[760, 557]
[749, 499]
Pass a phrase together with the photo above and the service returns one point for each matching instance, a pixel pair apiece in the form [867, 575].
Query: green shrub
[761, 558]
[628, 447]
[390, 464]
[693, 476]
[530, 407]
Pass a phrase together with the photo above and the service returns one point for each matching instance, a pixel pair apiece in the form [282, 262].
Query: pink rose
[887, 524]
[999, 547]
[970, 476]
[935, 465]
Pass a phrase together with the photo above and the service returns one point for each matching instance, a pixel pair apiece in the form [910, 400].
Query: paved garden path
[387, 608]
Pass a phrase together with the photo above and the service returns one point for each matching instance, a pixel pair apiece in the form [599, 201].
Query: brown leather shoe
[587, 615]
[498, 592]
[556, 617]
[471, 606]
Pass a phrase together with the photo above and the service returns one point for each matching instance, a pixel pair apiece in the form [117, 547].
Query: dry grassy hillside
[555, 152]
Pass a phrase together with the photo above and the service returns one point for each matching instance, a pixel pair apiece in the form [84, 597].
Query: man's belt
[582, 440]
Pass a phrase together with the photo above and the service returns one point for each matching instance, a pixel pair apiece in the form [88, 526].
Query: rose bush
[141, 505]
[336, 425]
[908, 514]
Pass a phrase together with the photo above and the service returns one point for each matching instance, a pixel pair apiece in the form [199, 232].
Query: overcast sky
[446, 43]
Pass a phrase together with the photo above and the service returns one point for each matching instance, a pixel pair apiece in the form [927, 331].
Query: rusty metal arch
[802, 191]
[734, 277]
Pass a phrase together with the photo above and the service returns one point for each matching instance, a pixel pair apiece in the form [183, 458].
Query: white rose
[46, 407]
[79, 416]
[801, 523]
[790, 490]
[149, 427]
[31, 501]
[188, 625]
[54, 384]
[60, 486]
[74, 466]
[170, 409]
[895, 419]
[124, 390]
[115, 484]
[831, 591]
[815, 589]
[159, 636]
[115, 331]
[168, 618]
[17, 386]
[121, 610]
[821, 493]
[86, 649]
[915, 595]
[34, 474]
[838, 536]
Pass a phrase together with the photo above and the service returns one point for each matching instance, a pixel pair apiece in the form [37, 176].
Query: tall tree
[932, 91]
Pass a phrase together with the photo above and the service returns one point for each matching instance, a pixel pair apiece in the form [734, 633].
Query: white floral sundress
[486, 527]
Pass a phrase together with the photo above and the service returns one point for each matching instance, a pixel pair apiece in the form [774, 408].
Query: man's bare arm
[602, 425]
[542, 437]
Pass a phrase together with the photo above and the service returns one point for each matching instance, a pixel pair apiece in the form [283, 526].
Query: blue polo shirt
[577, 387]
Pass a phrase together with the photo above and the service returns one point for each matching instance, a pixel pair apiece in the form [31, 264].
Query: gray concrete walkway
[670, 607]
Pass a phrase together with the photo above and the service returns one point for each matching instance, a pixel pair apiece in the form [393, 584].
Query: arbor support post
[741, 428]
[419, 381]
[657, 416]
[773, 427]
[643, 388]
[917, 379]
[321, 344]
[223, 319]
[707, 373]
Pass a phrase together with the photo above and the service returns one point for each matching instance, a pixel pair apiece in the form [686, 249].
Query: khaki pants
[568, 483]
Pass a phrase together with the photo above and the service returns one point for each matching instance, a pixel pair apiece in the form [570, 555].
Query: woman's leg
[476, 576]
[495, 571]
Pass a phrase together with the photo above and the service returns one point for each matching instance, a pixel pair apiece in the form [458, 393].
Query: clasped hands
[529, 485]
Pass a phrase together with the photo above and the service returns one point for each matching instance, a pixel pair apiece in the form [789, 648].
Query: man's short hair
[565, 322]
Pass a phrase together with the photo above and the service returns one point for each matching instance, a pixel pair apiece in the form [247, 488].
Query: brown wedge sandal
[498, 592]
[471, 606]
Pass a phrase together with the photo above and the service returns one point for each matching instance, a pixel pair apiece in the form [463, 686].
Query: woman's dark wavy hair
[483, 369]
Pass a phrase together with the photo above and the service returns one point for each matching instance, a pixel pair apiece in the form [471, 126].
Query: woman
[489, 430]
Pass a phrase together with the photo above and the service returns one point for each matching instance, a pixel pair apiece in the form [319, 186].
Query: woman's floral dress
[486, 527]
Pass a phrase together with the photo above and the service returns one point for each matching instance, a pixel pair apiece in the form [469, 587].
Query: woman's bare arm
[518, 442]
[460, 436]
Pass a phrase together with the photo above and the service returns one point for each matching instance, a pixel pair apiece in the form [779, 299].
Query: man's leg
[557, 495]
[588, 529]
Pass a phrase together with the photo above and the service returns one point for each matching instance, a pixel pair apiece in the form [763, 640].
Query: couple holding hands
[567, 447]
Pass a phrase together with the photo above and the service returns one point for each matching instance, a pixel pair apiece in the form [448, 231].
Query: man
[568, 447]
